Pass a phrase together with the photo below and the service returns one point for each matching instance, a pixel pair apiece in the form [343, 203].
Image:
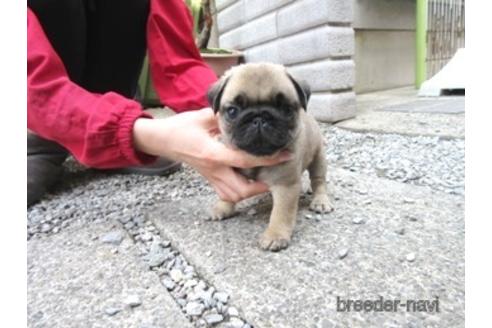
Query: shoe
[161, 167]
[44, 166]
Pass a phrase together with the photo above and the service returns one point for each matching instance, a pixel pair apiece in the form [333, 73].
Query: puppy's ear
[303, 91]
[214, 93]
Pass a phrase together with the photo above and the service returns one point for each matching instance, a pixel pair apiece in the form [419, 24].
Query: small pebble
[124, 219]
[400, 231]
[45, 228]
[221, 297]
[111, 311]
[252, 212]
[214, 318]
[194, 296]
[208, 300]
[176, 275]
[308, 216]
[190, 283]
[221, 308]
[168, 283]
[410, 257]
[201, 323]
[114, 237]
[170, 264]
[357, 220]
[194, 308]
[219, 268]
[201, 285]
[208, 253]
[133, 301]
[233, 312]
[181, 302]
[343, 253]
[146, 237]
[235, 323]
[412, 218]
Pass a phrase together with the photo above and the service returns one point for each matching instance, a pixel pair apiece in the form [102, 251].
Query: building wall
[384, 44]
[313, 38]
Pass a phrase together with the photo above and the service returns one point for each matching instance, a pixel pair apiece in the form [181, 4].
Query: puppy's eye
[232, 111]
[288, 110]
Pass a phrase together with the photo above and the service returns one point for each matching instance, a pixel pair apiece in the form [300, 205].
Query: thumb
[208, 117]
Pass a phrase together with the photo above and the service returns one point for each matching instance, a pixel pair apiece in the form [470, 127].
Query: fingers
[236, 187]
[223, 192]
[254, 188]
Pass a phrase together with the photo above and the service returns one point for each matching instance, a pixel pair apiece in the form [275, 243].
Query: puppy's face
[258, 106]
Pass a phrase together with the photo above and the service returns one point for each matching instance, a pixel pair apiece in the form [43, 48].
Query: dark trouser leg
[64, 23]
[116, 45]
[115, 53]
[102, 43]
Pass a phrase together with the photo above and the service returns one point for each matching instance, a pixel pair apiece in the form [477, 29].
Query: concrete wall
[384, 44]
[313, 38]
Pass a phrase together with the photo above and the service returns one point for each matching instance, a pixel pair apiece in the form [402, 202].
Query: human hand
[192, 137]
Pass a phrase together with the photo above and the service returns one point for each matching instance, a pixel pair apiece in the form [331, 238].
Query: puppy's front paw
[221, 210]
[321, 204]
[271, 241]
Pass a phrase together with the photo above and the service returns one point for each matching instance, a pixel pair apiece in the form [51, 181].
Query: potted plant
[220, 60]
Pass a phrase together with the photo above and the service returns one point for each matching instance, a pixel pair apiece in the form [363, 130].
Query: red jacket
[97, 128]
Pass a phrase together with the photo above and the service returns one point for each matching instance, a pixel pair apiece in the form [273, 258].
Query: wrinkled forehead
[260, 84]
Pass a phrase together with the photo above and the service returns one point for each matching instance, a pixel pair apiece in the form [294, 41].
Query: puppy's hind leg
[321, 202]
[222, 210]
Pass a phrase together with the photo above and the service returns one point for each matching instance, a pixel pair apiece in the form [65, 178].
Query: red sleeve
[95, 128]
[180, 76]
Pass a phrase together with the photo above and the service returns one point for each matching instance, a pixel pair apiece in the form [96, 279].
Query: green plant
[202, 21]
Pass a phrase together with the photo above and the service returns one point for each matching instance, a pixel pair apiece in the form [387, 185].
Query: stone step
[401, 111]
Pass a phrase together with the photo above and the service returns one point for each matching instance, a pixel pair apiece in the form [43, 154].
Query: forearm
[150, 137]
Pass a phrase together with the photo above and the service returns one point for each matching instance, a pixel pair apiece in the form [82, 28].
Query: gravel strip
[417, 160]
[199, 301]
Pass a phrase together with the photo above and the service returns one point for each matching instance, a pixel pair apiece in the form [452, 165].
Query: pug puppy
[262, 111]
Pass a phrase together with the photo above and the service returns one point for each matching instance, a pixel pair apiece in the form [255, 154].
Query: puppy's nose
[258, 121]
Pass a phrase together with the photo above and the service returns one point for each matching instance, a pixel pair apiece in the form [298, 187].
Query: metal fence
[445, 32]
